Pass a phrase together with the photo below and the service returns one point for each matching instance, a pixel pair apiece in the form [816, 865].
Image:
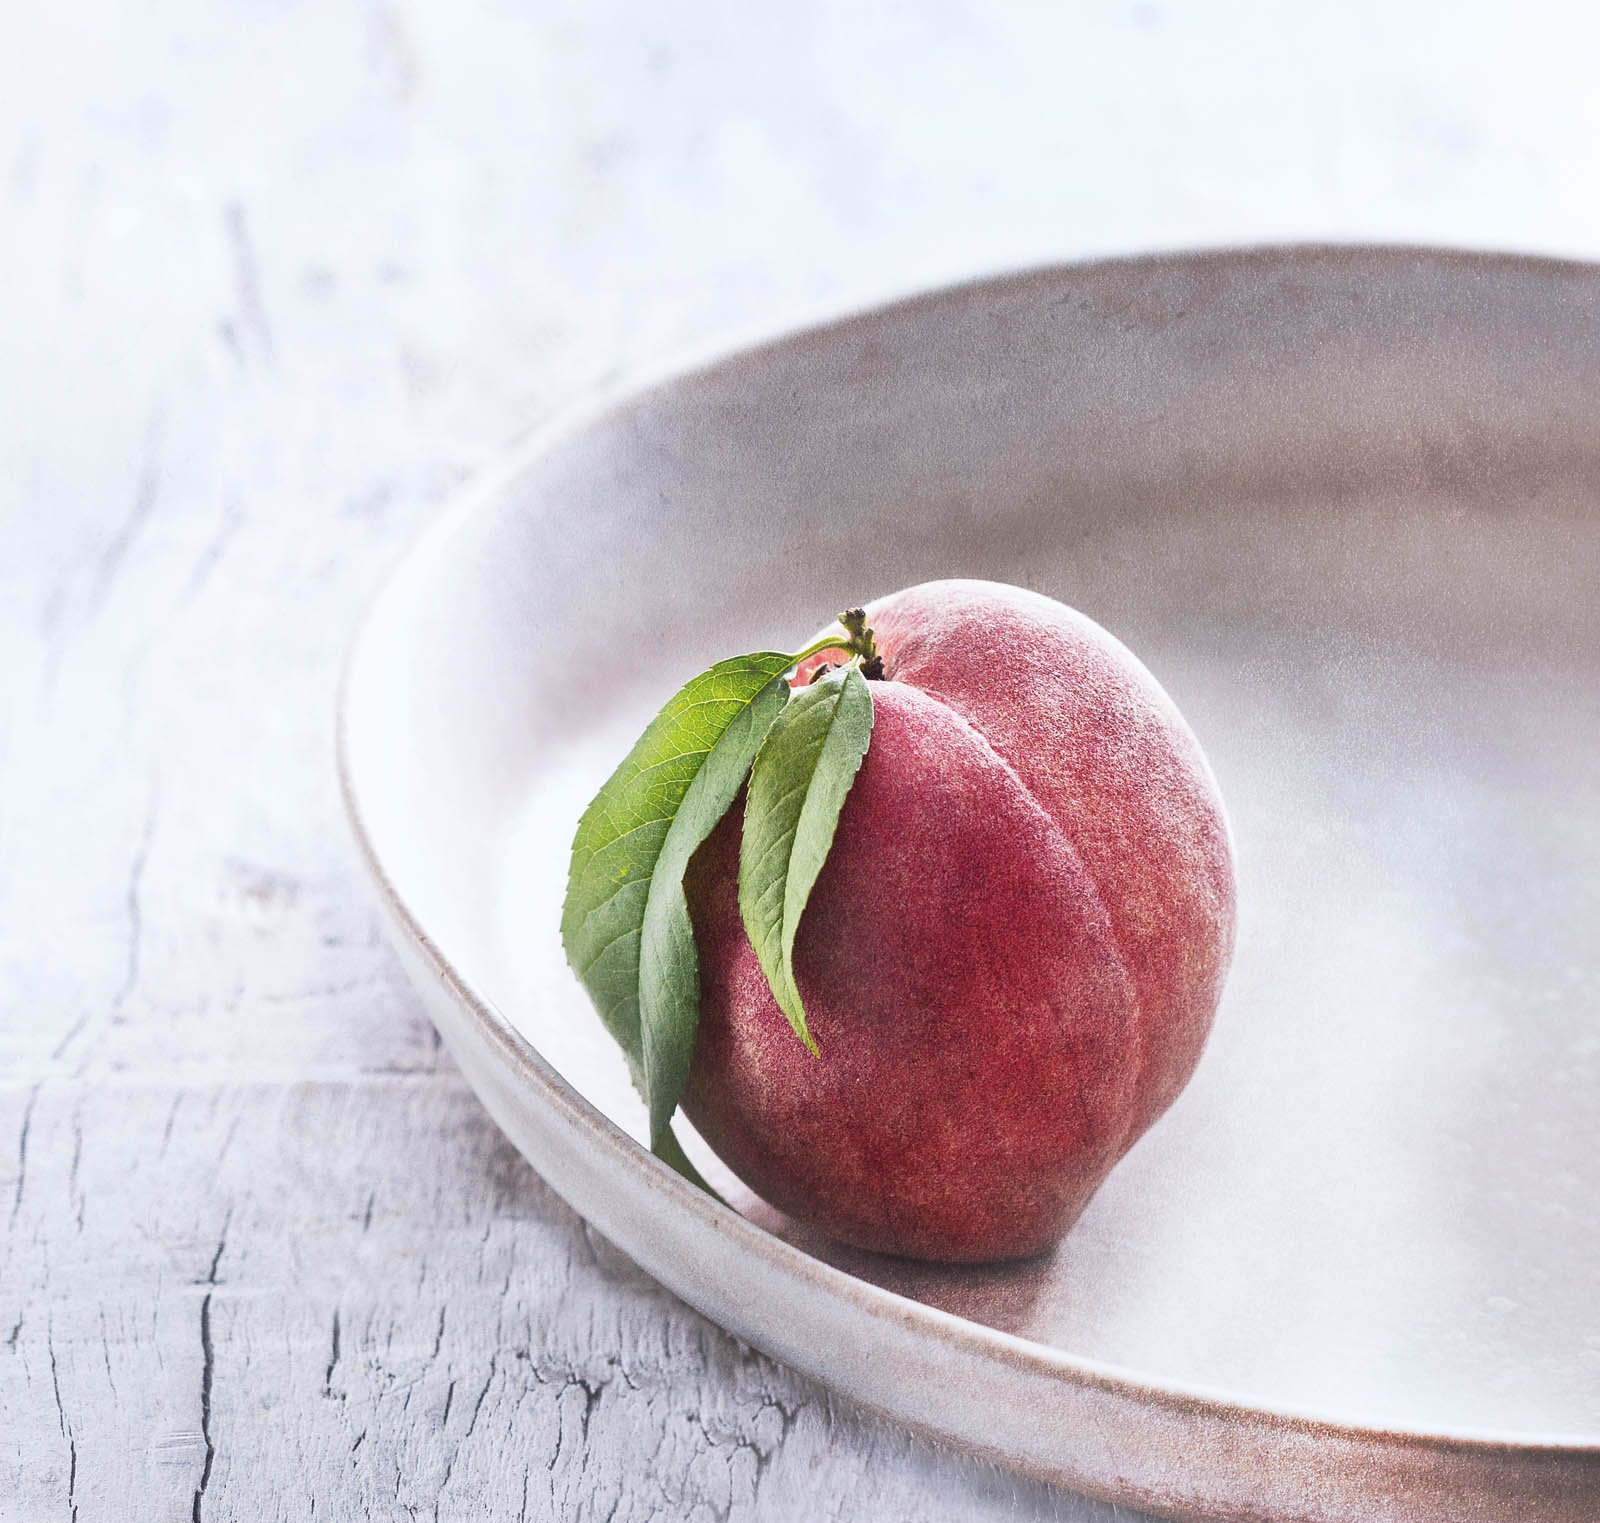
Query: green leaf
[802, 773]
[625, 923]
[670, 1150]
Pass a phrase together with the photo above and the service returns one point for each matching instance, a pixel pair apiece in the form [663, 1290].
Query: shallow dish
[1344, 504]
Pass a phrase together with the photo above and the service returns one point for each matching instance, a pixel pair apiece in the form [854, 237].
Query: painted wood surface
[273, 280]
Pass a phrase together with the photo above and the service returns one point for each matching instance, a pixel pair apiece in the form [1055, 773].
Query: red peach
[1011, 958]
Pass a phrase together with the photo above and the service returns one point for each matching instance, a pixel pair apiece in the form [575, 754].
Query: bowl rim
[534, 1074]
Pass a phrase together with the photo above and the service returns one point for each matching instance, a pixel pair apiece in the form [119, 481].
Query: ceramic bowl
[1343, 502]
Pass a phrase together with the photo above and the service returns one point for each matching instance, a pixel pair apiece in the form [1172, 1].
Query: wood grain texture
[272, 281]
[353, 1299]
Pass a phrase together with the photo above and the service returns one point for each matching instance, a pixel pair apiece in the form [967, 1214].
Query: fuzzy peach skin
[1011, 958]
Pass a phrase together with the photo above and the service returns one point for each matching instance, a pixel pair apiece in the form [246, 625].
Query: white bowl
[1343, 503]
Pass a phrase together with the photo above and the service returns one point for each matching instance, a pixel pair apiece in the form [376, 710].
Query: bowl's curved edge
[1125, 1437]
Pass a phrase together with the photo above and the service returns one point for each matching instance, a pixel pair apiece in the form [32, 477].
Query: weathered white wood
[272, 281]
[351, 1298]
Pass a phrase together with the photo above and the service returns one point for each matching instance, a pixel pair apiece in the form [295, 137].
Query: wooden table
[273, 280]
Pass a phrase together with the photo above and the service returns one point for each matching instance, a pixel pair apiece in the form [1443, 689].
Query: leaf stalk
[858, 641]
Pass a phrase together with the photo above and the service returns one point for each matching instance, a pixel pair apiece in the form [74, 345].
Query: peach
[1012, 956]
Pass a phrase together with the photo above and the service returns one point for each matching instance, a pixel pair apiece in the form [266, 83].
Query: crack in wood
[172, 1115]
[22, 1152]
[247, 287]
[134, 902]
[74, 1194]
[333, 1358]
[222, 1243]
[208, 1360]
[55, 1378]
[206, 562]
[144, 501]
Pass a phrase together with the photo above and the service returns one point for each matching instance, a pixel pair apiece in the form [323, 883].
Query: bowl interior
[1343, 504]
